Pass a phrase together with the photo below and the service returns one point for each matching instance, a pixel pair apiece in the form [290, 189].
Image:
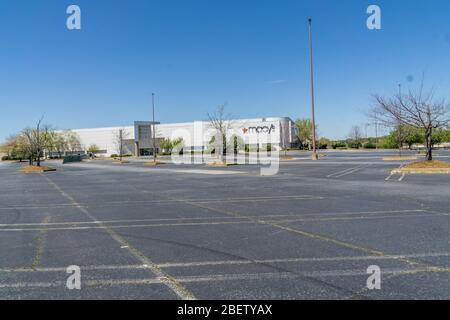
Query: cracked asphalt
[194, 232]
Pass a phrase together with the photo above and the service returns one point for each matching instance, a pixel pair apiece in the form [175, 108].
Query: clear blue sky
[197, 54]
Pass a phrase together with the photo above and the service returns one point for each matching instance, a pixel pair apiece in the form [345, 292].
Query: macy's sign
[259, 129]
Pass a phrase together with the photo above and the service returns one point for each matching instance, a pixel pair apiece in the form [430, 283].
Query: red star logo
[245, 130]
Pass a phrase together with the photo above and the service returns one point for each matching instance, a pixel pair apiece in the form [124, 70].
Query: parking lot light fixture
[313, 127]
[153, 129]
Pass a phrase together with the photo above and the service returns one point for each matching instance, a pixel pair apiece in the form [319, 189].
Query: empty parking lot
[193, 232]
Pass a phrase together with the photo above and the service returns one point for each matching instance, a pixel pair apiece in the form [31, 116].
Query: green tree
[389, 142]
[412, 135]
[324, 143]
[94, 149]
[304, 132]
[168, 145]
[235, 144]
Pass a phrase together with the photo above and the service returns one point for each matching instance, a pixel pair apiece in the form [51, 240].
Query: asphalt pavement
[195, 232]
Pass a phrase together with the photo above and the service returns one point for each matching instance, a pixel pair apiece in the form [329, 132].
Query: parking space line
[348, 171]
[230, 277]
[215, 217]
[402, 177]
[319, 237]
[167, 280]
[137, 202]
[339, 172]
[228, 262]
[246, 220]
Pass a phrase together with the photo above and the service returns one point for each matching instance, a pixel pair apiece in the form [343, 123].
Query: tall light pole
[400, 133]
[376, 134]
[314, 154]
[153, 129]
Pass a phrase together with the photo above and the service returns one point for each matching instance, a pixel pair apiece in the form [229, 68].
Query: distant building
[278, 132]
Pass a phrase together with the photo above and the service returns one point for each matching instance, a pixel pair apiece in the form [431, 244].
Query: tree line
[414, 117]
[42, 140]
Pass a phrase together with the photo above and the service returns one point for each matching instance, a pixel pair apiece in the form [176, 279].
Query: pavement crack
[166, 279]
[40, 244]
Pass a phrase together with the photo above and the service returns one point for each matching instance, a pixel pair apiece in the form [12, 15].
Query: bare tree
[355, 136]
[119, 140]
[59, 143]
[71, 141]
[416, 109]
[36, 141]
[221, 122]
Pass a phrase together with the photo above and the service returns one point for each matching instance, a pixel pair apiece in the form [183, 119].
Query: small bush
[338, 145]
[370, 145]
[5, 158]
[114, 155]
[354, 145]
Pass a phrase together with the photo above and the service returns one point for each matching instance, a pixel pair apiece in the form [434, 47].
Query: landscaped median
[119, 162]
[220, 164]
[36, 169]
[424, 167]
[154, 163]
[400, 158]
[287, 158]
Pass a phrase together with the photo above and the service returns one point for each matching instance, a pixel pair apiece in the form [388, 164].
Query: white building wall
[103, 138]
[276, 131]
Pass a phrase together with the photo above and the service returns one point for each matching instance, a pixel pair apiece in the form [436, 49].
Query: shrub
[338, 145]
[354, 145]
[370, 145]
[5, 158]
[114, 155]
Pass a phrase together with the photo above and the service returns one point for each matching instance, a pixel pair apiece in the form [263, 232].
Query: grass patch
[120, 162]
[435, 166]
[153, 163]
[36, 169]
[428, 164]
[400, 158]
[287, 158]
[220, 164]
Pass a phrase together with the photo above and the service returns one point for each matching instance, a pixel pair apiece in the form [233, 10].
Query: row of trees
[32, 142]
[419, 112]
[400, 138]
[404, 136]
[416, 117]
[304, 135]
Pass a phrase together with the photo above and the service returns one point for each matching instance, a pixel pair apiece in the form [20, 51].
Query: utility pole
[153, 129]
[376, 134]
[400, 138]
[314, 154]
